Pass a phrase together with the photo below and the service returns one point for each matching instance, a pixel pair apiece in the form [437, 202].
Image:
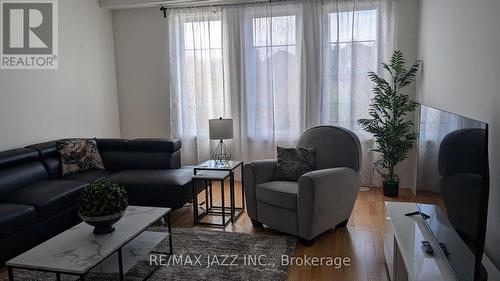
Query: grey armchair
[321, 199]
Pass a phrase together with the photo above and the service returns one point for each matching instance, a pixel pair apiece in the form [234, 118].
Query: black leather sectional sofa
[36, 202]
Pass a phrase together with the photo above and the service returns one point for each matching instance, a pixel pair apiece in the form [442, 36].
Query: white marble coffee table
[77, 250]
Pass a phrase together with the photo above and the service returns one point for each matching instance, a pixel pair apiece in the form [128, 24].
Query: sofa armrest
[326, 198]
[255, 173]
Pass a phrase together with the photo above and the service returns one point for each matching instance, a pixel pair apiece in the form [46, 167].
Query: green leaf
[102, 199]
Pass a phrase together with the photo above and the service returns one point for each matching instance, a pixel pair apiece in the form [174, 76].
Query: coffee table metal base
[10, 269]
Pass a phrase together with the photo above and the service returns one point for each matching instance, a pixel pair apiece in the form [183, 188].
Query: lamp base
[221, 153]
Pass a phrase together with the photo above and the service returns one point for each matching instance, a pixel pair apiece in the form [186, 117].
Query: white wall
[142, 72]
[460, 47]
[406, 40]
[78, 99]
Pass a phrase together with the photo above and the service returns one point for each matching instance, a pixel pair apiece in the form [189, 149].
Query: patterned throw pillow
[79, 155]
[294, 162]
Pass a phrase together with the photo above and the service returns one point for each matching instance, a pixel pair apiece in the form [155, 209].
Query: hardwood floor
[361, 240]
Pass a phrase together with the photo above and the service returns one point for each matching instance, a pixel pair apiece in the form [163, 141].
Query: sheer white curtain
[196, 77]
[358, 37]
[285, 67]
[268, 106]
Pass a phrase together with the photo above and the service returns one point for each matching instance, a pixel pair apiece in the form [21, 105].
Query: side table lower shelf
[224, 214]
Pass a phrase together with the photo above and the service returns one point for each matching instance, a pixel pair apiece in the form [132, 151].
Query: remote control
[426, 246]
[444, 248]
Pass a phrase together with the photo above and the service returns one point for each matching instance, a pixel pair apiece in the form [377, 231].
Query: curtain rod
[211, 3]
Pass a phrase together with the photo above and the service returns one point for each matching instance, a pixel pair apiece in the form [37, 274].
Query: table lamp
[221, 129]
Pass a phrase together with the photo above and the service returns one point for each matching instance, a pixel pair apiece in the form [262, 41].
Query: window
[360, 29]
[203, 71]
[350, 53]
[275, 75]
[253, 63]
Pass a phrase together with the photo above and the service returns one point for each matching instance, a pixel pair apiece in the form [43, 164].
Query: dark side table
[208, 172]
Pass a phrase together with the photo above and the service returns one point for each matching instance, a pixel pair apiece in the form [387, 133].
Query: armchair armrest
[326, 198]
[254, 173]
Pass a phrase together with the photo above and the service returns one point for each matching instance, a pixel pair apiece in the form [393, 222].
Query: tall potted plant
[392, 131]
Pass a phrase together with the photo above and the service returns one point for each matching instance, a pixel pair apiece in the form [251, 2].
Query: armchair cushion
[294, 162]
[278, 193]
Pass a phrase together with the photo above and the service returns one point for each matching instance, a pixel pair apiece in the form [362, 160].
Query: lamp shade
[220, 129]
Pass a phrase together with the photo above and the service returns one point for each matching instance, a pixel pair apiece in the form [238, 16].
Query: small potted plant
[101, 205]
[392, 130]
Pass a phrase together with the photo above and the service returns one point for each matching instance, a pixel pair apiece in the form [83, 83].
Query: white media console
[406, 261]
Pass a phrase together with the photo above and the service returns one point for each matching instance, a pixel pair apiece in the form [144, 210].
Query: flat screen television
[453, 186]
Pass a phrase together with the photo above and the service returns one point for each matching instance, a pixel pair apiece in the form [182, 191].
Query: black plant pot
[104, 224]
[391, 189]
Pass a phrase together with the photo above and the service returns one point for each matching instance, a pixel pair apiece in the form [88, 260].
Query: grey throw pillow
[294, 162]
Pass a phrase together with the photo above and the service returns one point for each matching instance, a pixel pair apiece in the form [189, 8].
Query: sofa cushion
[16, 177]
[49, 157]
[90, 176]
[140, 160]
[155, 187]
[146, 178]
[278, 193]
[154, 145]
[139, 154]
[17, 156]
[48, 197]
[111, 144]
[79, 156]
[14, 218]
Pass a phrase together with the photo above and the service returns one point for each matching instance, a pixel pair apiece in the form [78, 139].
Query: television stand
[403, 252]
